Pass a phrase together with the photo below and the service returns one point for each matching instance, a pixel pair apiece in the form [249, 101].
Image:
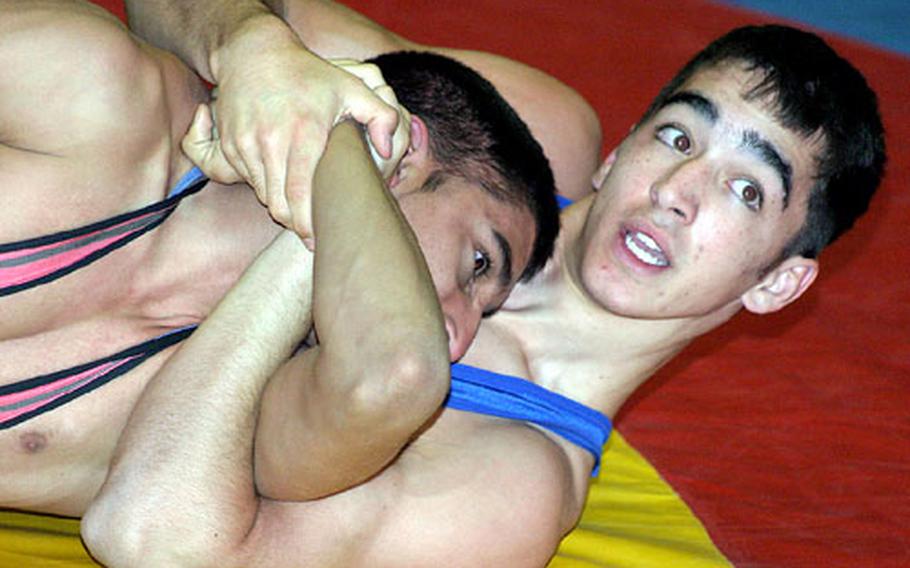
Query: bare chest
[55, 460]
[71, 373]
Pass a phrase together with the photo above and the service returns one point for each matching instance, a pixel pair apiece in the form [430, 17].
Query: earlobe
[781, 286]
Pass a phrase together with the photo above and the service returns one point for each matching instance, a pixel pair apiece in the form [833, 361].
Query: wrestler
[92, 310]
[746, 165]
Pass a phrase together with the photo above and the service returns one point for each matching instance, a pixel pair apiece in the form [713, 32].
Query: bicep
[282, 427]
[312, 439]
[490, 518]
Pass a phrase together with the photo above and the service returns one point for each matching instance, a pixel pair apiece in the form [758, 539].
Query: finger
[380, 119]
[275, 172]
[343, 62]
[244, 141]
[248, 151]
[228, 150]
[301, 167]
[387, 94]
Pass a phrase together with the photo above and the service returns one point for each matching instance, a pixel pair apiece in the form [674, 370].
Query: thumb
[202, 145]
[200, 133]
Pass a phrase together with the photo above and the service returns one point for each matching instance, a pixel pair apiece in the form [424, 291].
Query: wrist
[250, 34]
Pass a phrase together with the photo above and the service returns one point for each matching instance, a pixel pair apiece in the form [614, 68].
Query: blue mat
[882, 23]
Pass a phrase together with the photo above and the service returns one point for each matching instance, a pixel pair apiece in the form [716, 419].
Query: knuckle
[245, 144]
[282, 215]
[372, 70]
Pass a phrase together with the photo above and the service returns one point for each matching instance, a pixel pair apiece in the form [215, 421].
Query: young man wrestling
[720, 199]
[147, 274]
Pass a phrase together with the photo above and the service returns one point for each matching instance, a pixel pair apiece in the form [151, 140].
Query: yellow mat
[633, 519]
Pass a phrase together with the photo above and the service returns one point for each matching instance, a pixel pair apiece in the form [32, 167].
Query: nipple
[32, 442]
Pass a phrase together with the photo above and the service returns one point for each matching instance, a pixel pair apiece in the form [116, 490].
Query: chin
[617, 302]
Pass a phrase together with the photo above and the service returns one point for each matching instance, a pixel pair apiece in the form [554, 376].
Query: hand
[401, 139]
[276, 104]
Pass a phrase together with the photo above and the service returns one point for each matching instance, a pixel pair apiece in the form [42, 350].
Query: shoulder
[39, 30]
[497, 493]
[564, 123]
[81, 105]
[469, 492]
[67, 68]
[333, 30]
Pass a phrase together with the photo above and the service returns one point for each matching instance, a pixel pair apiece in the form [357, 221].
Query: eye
[674, 138]
[482, 263]
[748, 192]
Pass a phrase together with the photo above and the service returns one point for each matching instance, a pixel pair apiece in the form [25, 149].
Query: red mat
[788, 434]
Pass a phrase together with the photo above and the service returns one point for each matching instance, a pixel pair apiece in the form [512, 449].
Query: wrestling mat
[780, 441]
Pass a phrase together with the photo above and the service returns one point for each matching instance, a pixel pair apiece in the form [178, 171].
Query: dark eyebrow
[699, 104]
[505, 250]
[752, 140]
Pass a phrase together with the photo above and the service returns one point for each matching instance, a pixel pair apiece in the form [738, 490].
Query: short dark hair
[814, 92]
[477, 136]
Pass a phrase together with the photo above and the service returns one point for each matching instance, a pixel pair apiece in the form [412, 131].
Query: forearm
[200, 31]
[184, 460]
[381, 367]
[374, 306]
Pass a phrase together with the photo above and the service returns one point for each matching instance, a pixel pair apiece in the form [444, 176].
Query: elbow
[110, 537]
[117, 535]
[405, 390]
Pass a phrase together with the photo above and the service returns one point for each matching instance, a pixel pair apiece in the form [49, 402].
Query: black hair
[815, 93]
[475, 135]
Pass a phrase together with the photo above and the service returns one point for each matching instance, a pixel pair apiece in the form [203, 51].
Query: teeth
[647, 241]
[645, 249]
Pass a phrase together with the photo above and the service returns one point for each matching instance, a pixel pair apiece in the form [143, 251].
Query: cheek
[442, 257]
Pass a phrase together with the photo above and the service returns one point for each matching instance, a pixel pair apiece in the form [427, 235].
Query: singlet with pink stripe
[32, 262]
[29, 263]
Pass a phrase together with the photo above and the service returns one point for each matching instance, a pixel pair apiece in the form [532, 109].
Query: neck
[568, 343]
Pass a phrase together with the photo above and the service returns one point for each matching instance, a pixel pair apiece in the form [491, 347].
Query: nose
[677, 192]
[462, 319]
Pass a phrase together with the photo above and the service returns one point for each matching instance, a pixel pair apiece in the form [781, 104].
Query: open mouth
[645, 249]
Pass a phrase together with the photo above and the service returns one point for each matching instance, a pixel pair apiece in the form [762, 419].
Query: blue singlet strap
[188, 180]
[485, 392]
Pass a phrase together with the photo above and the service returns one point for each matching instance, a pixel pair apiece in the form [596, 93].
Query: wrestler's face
[476, 248]
[698, 204]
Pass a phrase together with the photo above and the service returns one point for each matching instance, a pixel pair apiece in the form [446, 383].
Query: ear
[781, 286]
[600, 175]
[417, 154]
